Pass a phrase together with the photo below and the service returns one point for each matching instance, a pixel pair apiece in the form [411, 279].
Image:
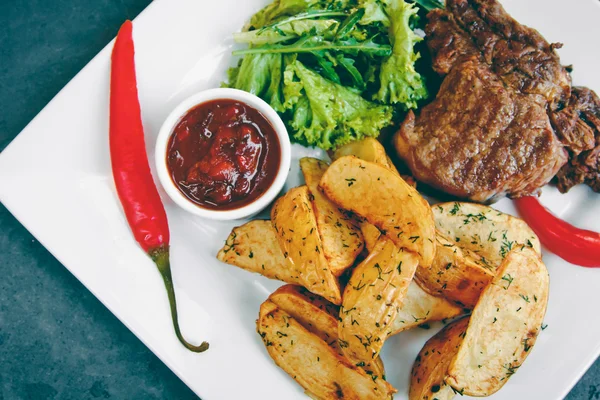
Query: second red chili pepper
[577, 246]
[136, 189]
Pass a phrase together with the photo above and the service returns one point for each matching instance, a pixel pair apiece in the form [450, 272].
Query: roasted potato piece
[255, 248]
[504, 325]
[455, 273]
[314, 313]
[371, 150]
[318, 316]
[342, 240]
[385, 200]
[318, 368]
[431, 366]
[419, 307]
[370, 234]
[368, 149]
[296, 229]
[487, 232]
[372, 298]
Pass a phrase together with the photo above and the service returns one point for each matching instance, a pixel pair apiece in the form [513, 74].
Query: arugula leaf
[399, 81]
[429, 5]
[355, 75]
[349, 23]
[289, 30]
[327, 67]
[311, 44]
[304, 16]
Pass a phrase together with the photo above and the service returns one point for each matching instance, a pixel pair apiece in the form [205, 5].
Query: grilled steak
[492, 130]
[578, 126]
[479, 139]
[519, 55]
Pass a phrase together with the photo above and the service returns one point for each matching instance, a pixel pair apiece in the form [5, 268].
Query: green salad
[335, 70]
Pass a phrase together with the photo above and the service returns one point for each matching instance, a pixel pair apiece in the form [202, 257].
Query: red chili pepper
[131, 171]
[577, 246]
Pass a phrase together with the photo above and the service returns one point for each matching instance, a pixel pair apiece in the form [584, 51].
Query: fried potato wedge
[342, 239]
[319, 317]
[420, 307]
[313, 312]
[504, 325]
[431, 366]
[296, 229]
[457, 274]
[372, 299]
[385, 200]
[318, 368]
[255, 248]
[372, 150]
[487, 232]
[370, 234]
[259, 239]
[368, 149]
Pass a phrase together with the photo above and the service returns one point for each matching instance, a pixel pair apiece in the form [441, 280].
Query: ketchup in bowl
[223, 154]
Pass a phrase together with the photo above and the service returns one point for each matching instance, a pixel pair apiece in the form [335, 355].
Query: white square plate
[56, 179]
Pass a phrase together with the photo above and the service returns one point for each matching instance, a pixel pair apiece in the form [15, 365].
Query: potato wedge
[431, 366]
[342, 239]
[370, 234]
[385, 200]
[296, 229]
[372, 299]
[313, 312]
[419, 307]
[318, 368]
[255, 248]
[504, 325]
[487, 232]
[319, 317]
[371, 150]
[259, 239]
[368, 149]
[457, 274]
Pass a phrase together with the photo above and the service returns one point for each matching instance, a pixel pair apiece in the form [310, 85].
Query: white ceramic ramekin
[216, 94]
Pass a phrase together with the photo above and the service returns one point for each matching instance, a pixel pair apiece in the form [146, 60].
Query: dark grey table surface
[57, 341]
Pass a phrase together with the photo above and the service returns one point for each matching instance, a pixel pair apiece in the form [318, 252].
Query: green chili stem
[160, 257]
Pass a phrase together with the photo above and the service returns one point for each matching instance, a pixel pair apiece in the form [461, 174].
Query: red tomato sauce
[223, 154]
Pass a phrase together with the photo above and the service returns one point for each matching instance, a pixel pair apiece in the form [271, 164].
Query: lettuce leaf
[374, 12]
[399, 81]
[326, 114]
[280, 8]
[262, 75]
